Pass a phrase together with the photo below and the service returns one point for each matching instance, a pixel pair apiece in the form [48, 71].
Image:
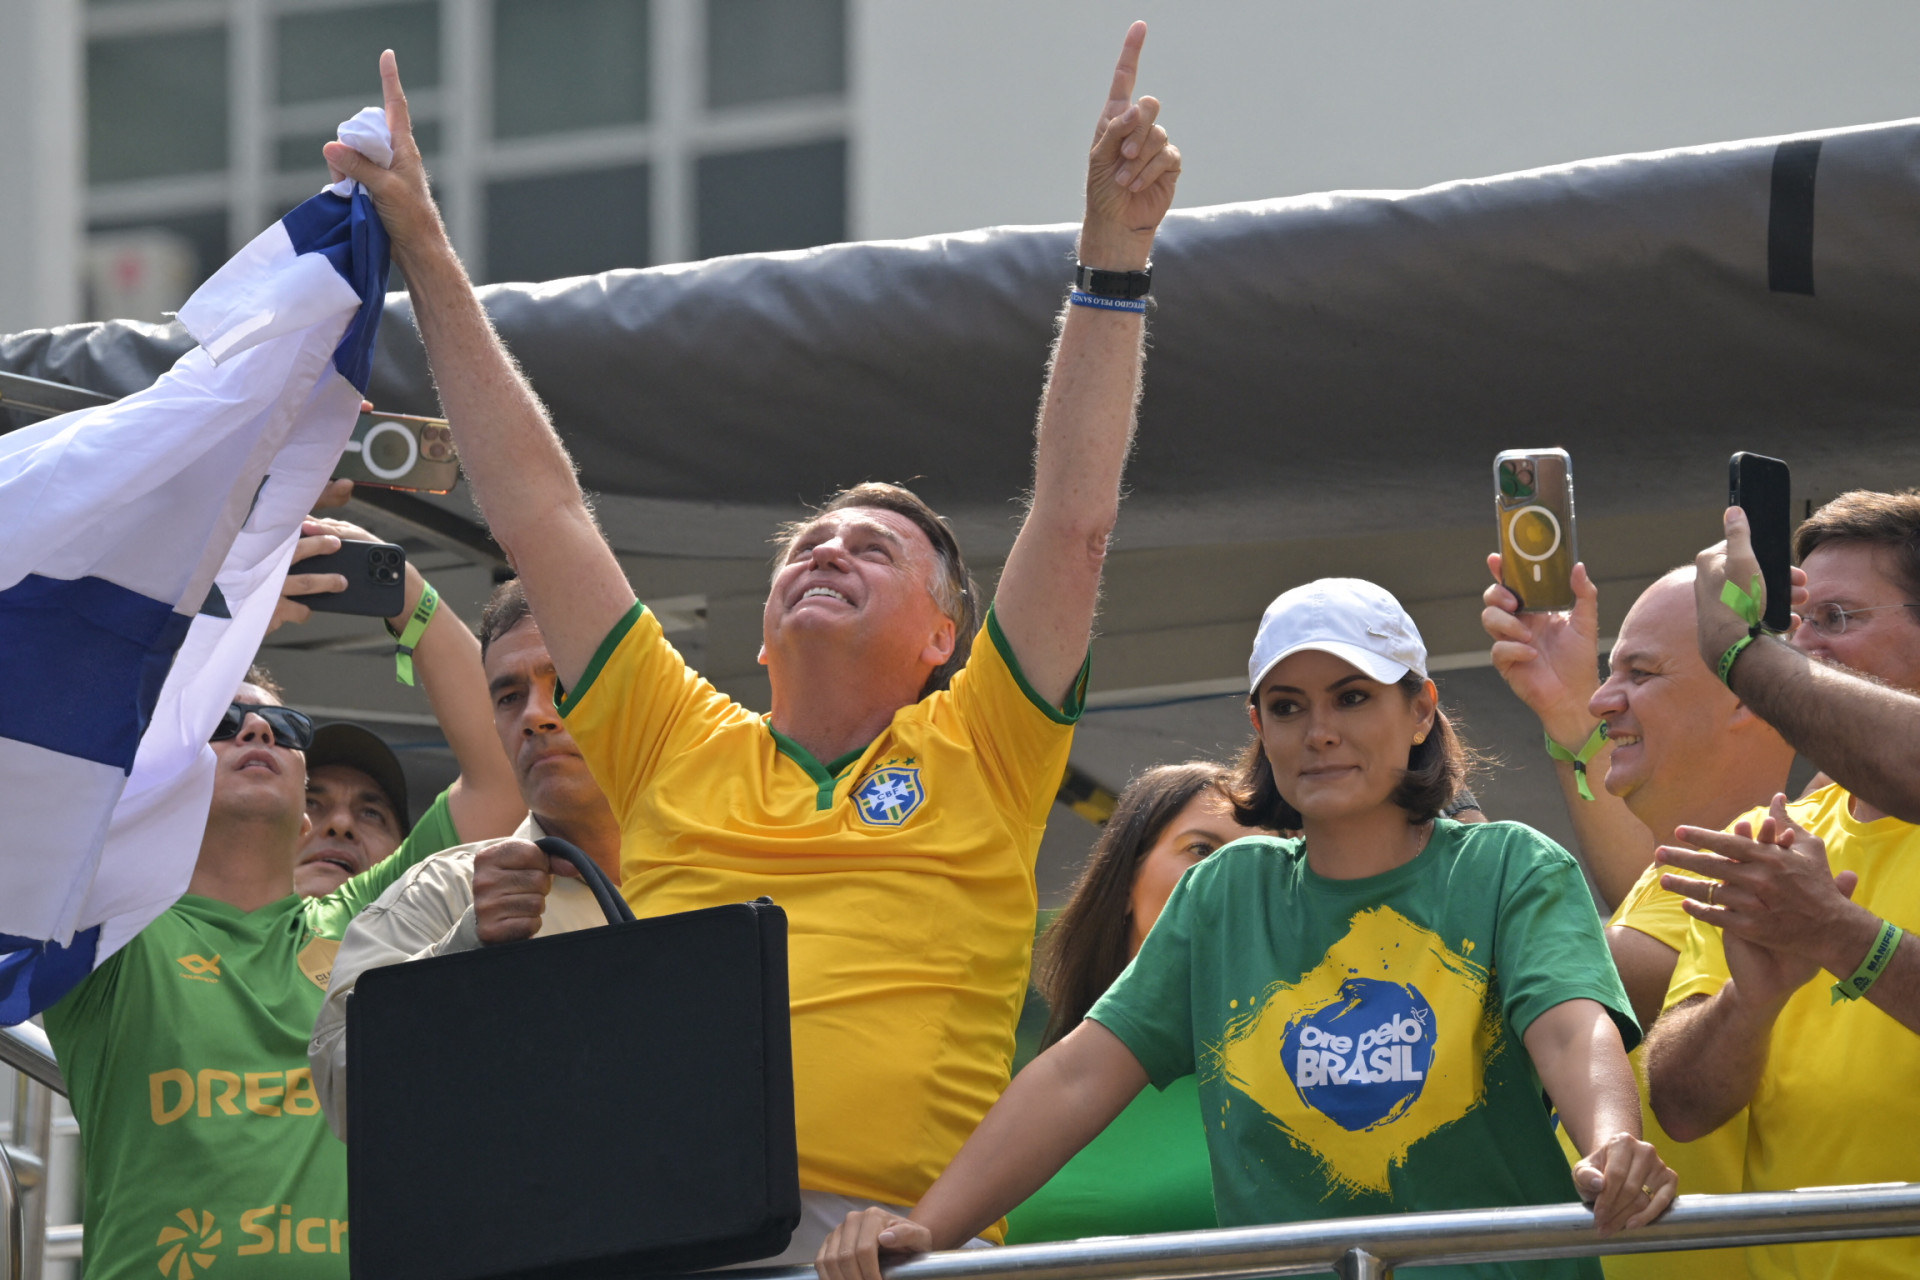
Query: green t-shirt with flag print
[1358, 1042]
[185, 1055]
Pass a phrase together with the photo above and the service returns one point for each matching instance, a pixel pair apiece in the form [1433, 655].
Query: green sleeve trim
[824, 776]
[566, 700]
[1076, 702]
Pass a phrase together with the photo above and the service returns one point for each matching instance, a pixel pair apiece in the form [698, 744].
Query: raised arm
[485, 799]
[1051, 584]
[520, 472]
[1863, 734]
[1551, 662]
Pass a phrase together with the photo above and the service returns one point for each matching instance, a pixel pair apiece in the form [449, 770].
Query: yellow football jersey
[905, 870]
[1711, 1165]
[1838, 1085]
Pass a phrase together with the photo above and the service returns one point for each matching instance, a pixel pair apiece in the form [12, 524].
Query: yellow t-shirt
[905, 870]
[1711, 1165]
[1836, 1103]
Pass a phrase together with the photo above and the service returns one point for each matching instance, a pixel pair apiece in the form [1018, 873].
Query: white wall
[972, 114]
[40, 107]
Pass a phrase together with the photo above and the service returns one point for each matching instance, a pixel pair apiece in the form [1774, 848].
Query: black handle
[618, 912]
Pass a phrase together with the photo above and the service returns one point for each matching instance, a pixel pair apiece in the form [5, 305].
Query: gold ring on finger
[1712, 888]
[1646, 1191]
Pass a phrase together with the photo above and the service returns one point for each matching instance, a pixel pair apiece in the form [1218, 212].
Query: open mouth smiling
[811, 592]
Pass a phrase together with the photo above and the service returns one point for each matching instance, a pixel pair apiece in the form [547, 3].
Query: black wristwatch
[1113, 284]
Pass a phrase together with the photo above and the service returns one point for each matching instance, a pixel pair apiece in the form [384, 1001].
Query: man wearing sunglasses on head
[186, 1052]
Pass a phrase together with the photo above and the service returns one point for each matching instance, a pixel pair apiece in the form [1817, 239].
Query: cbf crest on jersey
[889, 795]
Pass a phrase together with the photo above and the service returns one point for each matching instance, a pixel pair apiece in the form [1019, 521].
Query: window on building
[335, 53]
[767, 50]
[569, 64]
[560, 136]
[157, 105]
[779, 198]
[568, 224]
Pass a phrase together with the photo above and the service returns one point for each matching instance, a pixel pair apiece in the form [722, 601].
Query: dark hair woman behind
[1149, 1170]
[1087, 945]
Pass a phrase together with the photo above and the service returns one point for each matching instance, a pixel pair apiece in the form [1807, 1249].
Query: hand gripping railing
[1366, 1248]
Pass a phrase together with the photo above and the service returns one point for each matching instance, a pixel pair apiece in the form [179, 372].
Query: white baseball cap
[1350, 618]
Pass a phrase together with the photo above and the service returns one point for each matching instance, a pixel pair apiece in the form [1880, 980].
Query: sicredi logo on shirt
[1365, 1056]
[269, 1229]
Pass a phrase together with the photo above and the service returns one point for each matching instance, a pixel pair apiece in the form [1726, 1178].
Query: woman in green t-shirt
[1147, 1171]
[1374, 1010]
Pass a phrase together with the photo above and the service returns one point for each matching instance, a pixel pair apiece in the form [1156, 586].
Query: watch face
[1114, 284]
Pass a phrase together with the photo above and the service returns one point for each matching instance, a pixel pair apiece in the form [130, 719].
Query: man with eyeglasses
[186, 1052]
[1797, 994]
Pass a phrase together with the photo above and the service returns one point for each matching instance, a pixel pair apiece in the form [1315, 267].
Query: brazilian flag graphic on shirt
[1359, 1044]
[1380, 1045]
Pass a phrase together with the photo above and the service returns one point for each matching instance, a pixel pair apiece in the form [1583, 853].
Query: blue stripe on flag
[34, 974]
[350, 235]
[119, 643]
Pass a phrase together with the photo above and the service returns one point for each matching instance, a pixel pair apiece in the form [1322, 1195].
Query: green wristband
[1724, 668]
[1746, 604]
[1578, 759]
[1879, 956]
[416, 627]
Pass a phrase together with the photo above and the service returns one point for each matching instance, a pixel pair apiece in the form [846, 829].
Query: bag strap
[615, 906]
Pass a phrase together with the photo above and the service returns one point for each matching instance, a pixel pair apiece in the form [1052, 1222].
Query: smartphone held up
[1533, 501]
[1762, 488]
[376, 574]
[400, 451]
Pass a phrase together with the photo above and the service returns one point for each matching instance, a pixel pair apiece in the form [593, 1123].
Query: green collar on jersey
[824, 776]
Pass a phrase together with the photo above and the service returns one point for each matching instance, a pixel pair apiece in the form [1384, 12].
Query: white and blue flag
[142, 547]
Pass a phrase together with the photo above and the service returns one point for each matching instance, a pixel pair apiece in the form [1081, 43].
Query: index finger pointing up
[399, 124]
[1126, 70]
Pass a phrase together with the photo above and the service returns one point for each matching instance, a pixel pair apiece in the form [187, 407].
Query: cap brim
[1371, 665]
[361, 748]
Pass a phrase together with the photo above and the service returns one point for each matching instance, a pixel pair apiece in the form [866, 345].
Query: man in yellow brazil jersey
[893, 801]
[1797, 993]
[1678, 748]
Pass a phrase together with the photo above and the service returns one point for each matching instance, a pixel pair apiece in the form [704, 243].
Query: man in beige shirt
[486, 892]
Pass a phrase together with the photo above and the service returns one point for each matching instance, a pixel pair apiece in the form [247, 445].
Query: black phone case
[1762, 487]
[376, 574]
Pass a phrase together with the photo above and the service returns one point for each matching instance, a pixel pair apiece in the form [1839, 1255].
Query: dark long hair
[1437, 771]
[1085, 947]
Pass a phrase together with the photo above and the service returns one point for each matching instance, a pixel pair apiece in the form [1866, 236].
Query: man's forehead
[254, 694]
[889, 524]
[517, 651]
[1850, 568]
[1661, 621]
[344, 777]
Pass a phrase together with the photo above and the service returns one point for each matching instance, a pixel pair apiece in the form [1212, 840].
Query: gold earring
[1420, 737]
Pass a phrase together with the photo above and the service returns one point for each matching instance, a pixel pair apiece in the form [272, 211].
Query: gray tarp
[1327, 373]
[1647, 312]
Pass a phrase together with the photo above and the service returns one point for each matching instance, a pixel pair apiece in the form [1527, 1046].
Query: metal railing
[1353, 1248]
[1370, 1248]
[27, 1050]
[26, 1242]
